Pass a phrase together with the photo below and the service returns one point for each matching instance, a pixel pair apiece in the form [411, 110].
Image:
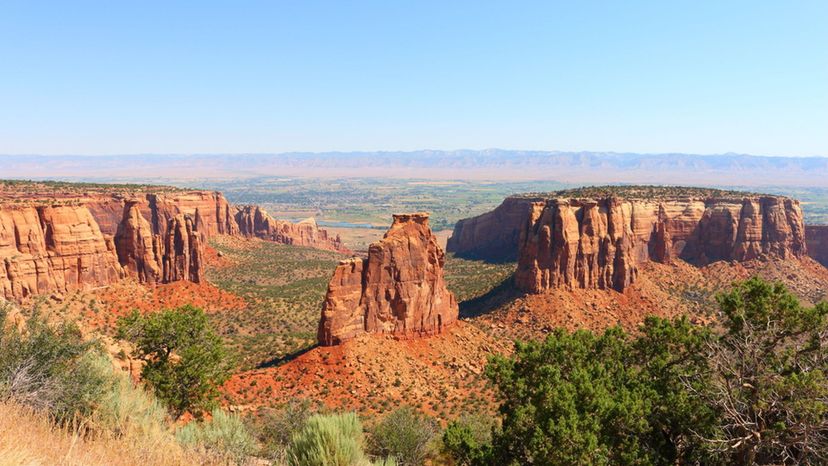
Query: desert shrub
[225, 434]
[328, 440]
[30, 437]
[751, 391]
[49, 368]
[276, 429]
[186, 361]
[405, 435]
[126, 409]
[467, 439]
[769, 378]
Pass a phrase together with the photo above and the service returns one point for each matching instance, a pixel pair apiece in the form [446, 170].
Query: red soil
[375, 373]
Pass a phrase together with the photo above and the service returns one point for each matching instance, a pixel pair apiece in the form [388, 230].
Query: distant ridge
[490, 164]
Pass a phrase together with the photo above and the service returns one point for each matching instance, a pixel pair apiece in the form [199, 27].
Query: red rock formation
[253, 221]
[816, 236]
[173, 255]
[494, 235]
[398, 289]
[53, 248]
[211, 212]
[587, 243]
[137, 246]
[182, 251]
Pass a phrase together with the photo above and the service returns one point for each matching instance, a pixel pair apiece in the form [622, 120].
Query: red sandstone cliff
[816, 236]
[173, 254]
[598, 243]
[398, 289]
[253, 221]
[66, 237]
[53, 248]
[494, 235]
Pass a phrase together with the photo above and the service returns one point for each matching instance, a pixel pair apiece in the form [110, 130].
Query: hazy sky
[242, 76]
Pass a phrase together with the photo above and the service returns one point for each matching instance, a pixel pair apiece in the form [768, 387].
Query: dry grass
[27, 438]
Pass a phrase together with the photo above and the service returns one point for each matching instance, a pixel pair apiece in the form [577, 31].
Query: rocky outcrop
[182, 253]
[210, 211]
[59, 237]
[493, 236]
[137, 246]
[398, 289]
[47, 249]
[599, 243]
[253, 221]
[816, 236]
[171, 255]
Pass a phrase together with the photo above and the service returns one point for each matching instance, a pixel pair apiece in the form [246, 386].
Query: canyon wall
[816, 236]
[398, 289]
[253, 221]
[172, 254]
[65, 239]
[599, 243]
[493, 236]
[47, 249]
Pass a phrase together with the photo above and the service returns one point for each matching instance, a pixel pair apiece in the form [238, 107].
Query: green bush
[225, 434]
[769, 378]
[468, 439]
[405, 435]
[276, 430]
[328, 440]
[125, 409]
[186, 361]
[49, 368]
[751, 392]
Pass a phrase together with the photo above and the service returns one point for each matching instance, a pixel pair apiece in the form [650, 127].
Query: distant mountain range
[491, 164]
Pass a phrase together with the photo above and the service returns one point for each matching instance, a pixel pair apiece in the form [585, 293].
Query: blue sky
[114, 77]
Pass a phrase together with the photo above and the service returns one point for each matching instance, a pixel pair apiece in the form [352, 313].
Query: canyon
[63, 237]
[399, 289]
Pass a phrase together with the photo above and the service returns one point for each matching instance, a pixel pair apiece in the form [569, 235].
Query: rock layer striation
[49, 249]
[60, 239]
[253, 221]
[599, 243]
[399, 289]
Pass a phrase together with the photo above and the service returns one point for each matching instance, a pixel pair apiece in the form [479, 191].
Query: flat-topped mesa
[253, 221]
[399, 289]
[599, 243]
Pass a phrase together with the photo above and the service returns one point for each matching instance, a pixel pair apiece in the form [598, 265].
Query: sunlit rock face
[599, 243]
[53, 249]
[399, 289]
[253, 221]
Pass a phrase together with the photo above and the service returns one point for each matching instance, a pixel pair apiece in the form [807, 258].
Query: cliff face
[599, 243]
[172, 255]
[398, 289]
[78, 236]
[53, 248]
[816, 236]
[182, 251]
[253, 221]
[213, 213]
[494, 235]
[210, 211]
[137, 246]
